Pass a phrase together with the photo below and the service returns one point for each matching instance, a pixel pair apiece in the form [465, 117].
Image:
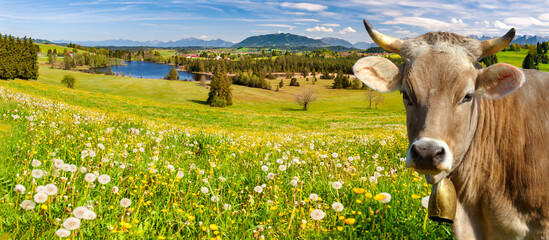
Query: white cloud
[331, 25]
[204, 37]
[305, 20]
[525, 21]
[403, 32]
[392, 13]
[277, 25]
[319, 29]
[545, 16]
[347, 30]
[501, 25]
[429, 24]
[313, 7]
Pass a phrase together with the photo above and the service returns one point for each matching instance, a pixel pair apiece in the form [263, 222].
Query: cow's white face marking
[441, 168]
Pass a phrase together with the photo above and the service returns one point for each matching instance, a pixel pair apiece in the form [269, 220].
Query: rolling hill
[280, 39]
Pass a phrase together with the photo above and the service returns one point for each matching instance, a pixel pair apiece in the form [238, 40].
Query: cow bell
[443, 202]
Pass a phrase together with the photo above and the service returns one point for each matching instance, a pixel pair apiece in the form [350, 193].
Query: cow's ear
[378, 73]
[499, 80]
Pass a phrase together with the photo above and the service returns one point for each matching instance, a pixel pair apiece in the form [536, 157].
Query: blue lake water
[151, 70]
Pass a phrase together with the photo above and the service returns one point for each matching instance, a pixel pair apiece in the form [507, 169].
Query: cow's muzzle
[428, 155]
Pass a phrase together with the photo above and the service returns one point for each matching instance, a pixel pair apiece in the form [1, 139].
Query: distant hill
[280, 39]
[521, 40]
[364, 45]
[185, 42]
[336, 42]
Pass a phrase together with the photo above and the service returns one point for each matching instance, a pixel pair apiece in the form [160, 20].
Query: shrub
[68, 80]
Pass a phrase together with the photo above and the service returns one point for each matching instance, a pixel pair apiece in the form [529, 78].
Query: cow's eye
[406, 98]
[468, 97]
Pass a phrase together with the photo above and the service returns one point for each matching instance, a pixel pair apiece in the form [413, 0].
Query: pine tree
[173, 75]
[528, 62]
[220, 88]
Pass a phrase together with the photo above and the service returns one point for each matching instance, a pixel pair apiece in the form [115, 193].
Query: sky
[235, 20]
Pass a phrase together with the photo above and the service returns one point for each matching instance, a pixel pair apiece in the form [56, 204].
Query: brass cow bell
[443, 202]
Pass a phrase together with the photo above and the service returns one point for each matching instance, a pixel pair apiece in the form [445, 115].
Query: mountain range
[276, 39]
[185, 42]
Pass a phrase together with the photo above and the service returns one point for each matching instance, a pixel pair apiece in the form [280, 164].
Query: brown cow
[485, 129]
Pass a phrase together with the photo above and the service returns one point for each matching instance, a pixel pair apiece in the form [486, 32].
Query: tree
[374, 97]
[281, 83]
[306, 97]
[52, 58]
[489, 60]
[172, 75]
[528, 62]
[68, 80]
[220, 88]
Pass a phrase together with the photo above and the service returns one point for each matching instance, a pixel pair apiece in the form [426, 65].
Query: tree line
[18, 58]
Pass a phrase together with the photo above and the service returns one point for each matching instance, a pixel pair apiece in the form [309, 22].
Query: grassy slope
[254, 109]
[516, 58]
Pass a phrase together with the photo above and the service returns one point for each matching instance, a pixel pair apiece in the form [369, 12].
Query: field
[262, 168]
[516, 59]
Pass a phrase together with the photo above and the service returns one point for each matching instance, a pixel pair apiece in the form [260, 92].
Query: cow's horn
[497, 44]
[390, 44]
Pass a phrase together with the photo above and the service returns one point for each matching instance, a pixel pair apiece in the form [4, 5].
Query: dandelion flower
[313, 197]
[204, 190]
[214, 198]
[90, 177]
[337, 206]
[37, 173]
[383, 197]
[350, 221]
[114, 189]
[359, 190]
[258, 189]
[62, 233]
[20, 188]
[264, 168]
[40, 197]
[104, 179]
[80, 212]
[317, 214]
[337, 185]
[415, 196]
[28, 205]
[270, 176]
[335, 155]
[282, 167]
[50, 189]
[125, 202]
[180, 174]
[71, 223]
[425, 202]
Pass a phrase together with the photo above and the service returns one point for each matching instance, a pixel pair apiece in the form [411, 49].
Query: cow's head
[442, 85]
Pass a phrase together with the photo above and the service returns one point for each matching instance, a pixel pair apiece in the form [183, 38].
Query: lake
[139, 69]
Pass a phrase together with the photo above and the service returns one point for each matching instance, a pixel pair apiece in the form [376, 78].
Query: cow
[486, 129]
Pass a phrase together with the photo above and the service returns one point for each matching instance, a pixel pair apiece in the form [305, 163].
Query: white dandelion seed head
[214, 198]
[337, 185]
[222, 179]
[90, 215]
[204, 190]
[334, 155]
[40, 197]
[90, 177]
[83, 169]
[282, 167]
[264, 168]
[317, 214]
[20, 188]
[104, 179]
[50, 189]
[337, 206]
[40, 189]
[258, 189]
[37, 173]
[27, 205]
[36, 163]
[80, 212]
[66, 167]
[387, 197]
[293, 182]
[313, 197]
[125, 202]
[114, 189]
[270, 176]
[62, 233]
[71, 223]
[180, 174]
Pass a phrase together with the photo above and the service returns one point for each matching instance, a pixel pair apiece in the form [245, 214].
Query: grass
[516, 59]
[195, 172]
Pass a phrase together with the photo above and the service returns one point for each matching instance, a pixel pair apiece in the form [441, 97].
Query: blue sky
[236, 20]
